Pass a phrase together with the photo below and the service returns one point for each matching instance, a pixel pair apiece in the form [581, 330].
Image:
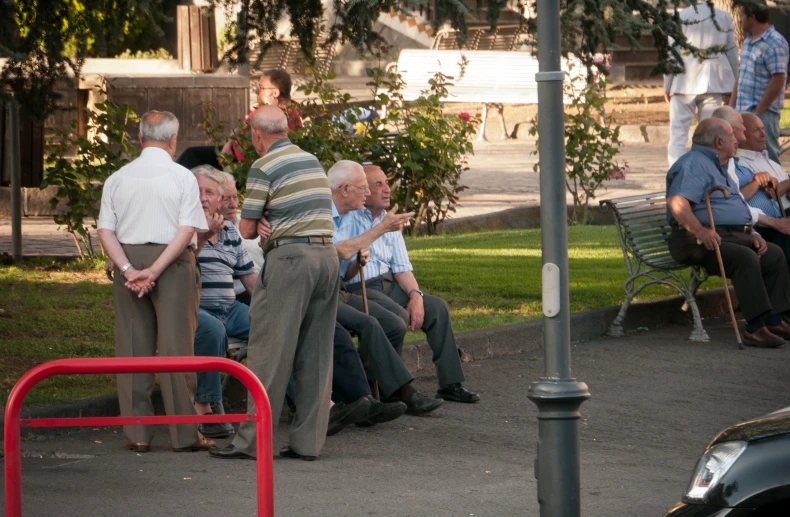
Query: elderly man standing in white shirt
[150, 210]
[699, 89]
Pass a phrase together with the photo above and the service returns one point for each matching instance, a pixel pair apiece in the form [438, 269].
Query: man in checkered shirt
[760, 88]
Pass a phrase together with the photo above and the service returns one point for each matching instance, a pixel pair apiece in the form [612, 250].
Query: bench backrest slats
[643, 225]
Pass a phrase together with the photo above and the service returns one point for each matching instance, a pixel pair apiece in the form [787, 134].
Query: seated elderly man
[753, 155]
[381, 333]
[758, 270]
[755, 184]
[222, 259]
[392, 285]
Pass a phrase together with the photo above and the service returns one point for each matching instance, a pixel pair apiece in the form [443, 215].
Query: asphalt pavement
[657, 400]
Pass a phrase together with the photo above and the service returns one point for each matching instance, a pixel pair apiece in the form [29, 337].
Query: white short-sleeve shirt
[148, 199]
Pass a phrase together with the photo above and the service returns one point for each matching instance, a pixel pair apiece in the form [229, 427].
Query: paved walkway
[657, 400]
[500, 177]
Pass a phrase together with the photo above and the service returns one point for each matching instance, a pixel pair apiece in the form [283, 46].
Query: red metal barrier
[262, 417]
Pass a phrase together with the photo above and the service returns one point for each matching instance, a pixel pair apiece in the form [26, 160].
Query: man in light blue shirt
[758, 270]
[392, 285]
[380, 333]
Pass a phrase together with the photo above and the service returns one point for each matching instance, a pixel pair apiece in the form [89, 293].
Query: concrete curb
[520, 338]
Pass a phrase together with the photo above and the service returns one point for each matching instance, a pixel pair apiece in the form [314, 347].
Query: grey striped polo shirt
[291, 184]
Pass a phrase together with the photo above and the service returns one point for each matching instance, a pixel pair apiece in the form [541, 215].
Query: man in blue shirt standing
[758, 270]
[760, 88]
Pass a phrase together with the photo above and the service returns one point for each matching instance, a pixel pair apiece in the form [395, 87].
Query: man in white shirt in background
[699, 89]
[150, 210]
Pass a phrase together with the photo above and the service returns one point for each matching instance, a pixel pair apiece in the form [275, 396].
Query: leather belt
[318, 239]
[740, 228]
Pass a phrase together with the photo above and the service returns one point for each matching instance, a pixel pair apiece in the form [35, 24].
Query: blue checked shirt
[760, 199]
[387, 253]
[760, 59]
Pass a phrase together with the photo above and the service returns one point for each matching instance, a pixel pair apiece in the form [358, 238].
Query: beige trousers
[165, 320]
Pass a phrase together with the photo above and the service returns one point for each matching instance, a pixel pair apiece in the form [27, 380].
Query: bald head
[755, 133]
[269, 119]
[717, 135]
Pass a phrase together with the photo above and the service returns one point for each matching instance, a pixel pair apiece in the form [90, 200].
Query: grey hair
[706, 134]
[227, 178]
[269, 126]
[162, 127]
[727, 114]
[342, 172]
[211, 173]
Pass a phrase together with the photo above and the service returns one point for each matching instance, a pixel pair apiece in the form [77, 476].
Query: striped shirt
[760, 198]
[148, 199]
[760, 162]
[387, 253]
[292, 186]
[220, 264]
[761, 58]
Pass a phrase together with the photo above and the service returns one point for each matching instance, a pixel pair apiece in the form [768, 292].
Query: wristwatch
[126, 267]
[415, 291]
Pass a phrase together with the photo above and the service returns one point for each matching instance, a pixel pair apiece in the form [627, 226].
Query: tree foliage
[81, 164]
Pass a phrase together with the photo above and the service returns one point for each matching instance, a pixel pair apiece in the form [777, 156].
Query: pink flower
[465, 116]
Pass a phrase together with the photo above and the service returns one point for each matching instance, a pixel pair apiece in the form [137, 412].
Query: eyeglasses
[361, 186]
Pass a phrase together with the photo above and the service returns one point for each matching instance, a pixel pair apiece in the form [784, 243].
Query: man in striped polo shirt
[222, 259]
[292, 314]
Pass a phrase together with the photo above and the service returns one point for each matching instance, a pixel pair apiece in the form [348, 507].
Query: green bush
[145, 54]
[81, 164]
[422, 150]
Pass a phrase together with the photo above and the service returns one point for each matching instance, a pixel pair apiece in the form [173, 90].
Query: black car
[745, 471]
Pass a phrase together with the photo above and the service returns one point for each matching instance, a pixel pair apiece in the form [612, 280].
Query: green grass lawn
[50, 311]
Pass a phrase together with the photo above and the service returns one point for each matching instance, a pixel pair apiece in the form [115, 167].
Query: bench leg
[616, 328]
[501, 110]
[481, 136]
[697, 277]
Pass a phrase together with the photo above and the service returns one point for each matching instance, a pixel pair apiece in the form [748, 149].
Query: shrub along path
[51, 311]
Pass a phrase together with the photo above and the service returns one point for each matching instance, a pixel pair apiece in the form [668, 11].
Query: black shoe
[212, 430]
[419, 404]
[381, 412]
[342, 414]
[229, 452]
[457, 393]
[218, 409]
[287, 452]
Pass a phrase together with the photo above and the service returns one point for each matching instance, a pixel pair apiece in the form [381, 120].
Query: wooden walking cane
[721, 265]
[367, 312]
[779, 200]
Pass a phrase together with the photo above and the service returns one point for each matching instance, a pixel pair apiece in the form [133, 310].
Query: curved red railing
[114, 365]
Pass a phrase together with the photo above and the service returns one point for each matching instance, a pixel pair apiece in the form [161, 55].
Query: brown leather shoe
[763, 338]
[201, 445]
[782, 330]
[138, 446]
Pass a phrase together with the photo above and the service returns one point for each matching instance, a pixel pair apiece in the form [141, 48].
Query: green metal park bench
[644, 233]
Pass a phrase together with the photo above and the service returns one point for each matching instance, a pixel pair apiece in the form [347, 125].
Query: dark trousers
[378, 353]
[199, 155]
[762, 284]
[778, 238]
[437, 325]
[349, 382]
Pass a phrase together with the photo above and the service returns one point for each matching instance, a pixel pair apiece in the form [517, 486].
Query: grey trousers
[380, 341]
[292, 325]
[164, 320]
[437, 325]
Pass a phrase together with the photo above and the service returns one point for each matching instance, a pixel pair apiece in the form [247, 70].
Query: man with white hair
[150, 239]
[222, 260]
[391, 283]
[295, 300]
[382, 332]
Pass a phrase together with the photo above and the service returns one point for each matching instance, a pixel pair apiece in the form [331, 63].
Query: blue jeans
[215, 324]
[770, 120]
